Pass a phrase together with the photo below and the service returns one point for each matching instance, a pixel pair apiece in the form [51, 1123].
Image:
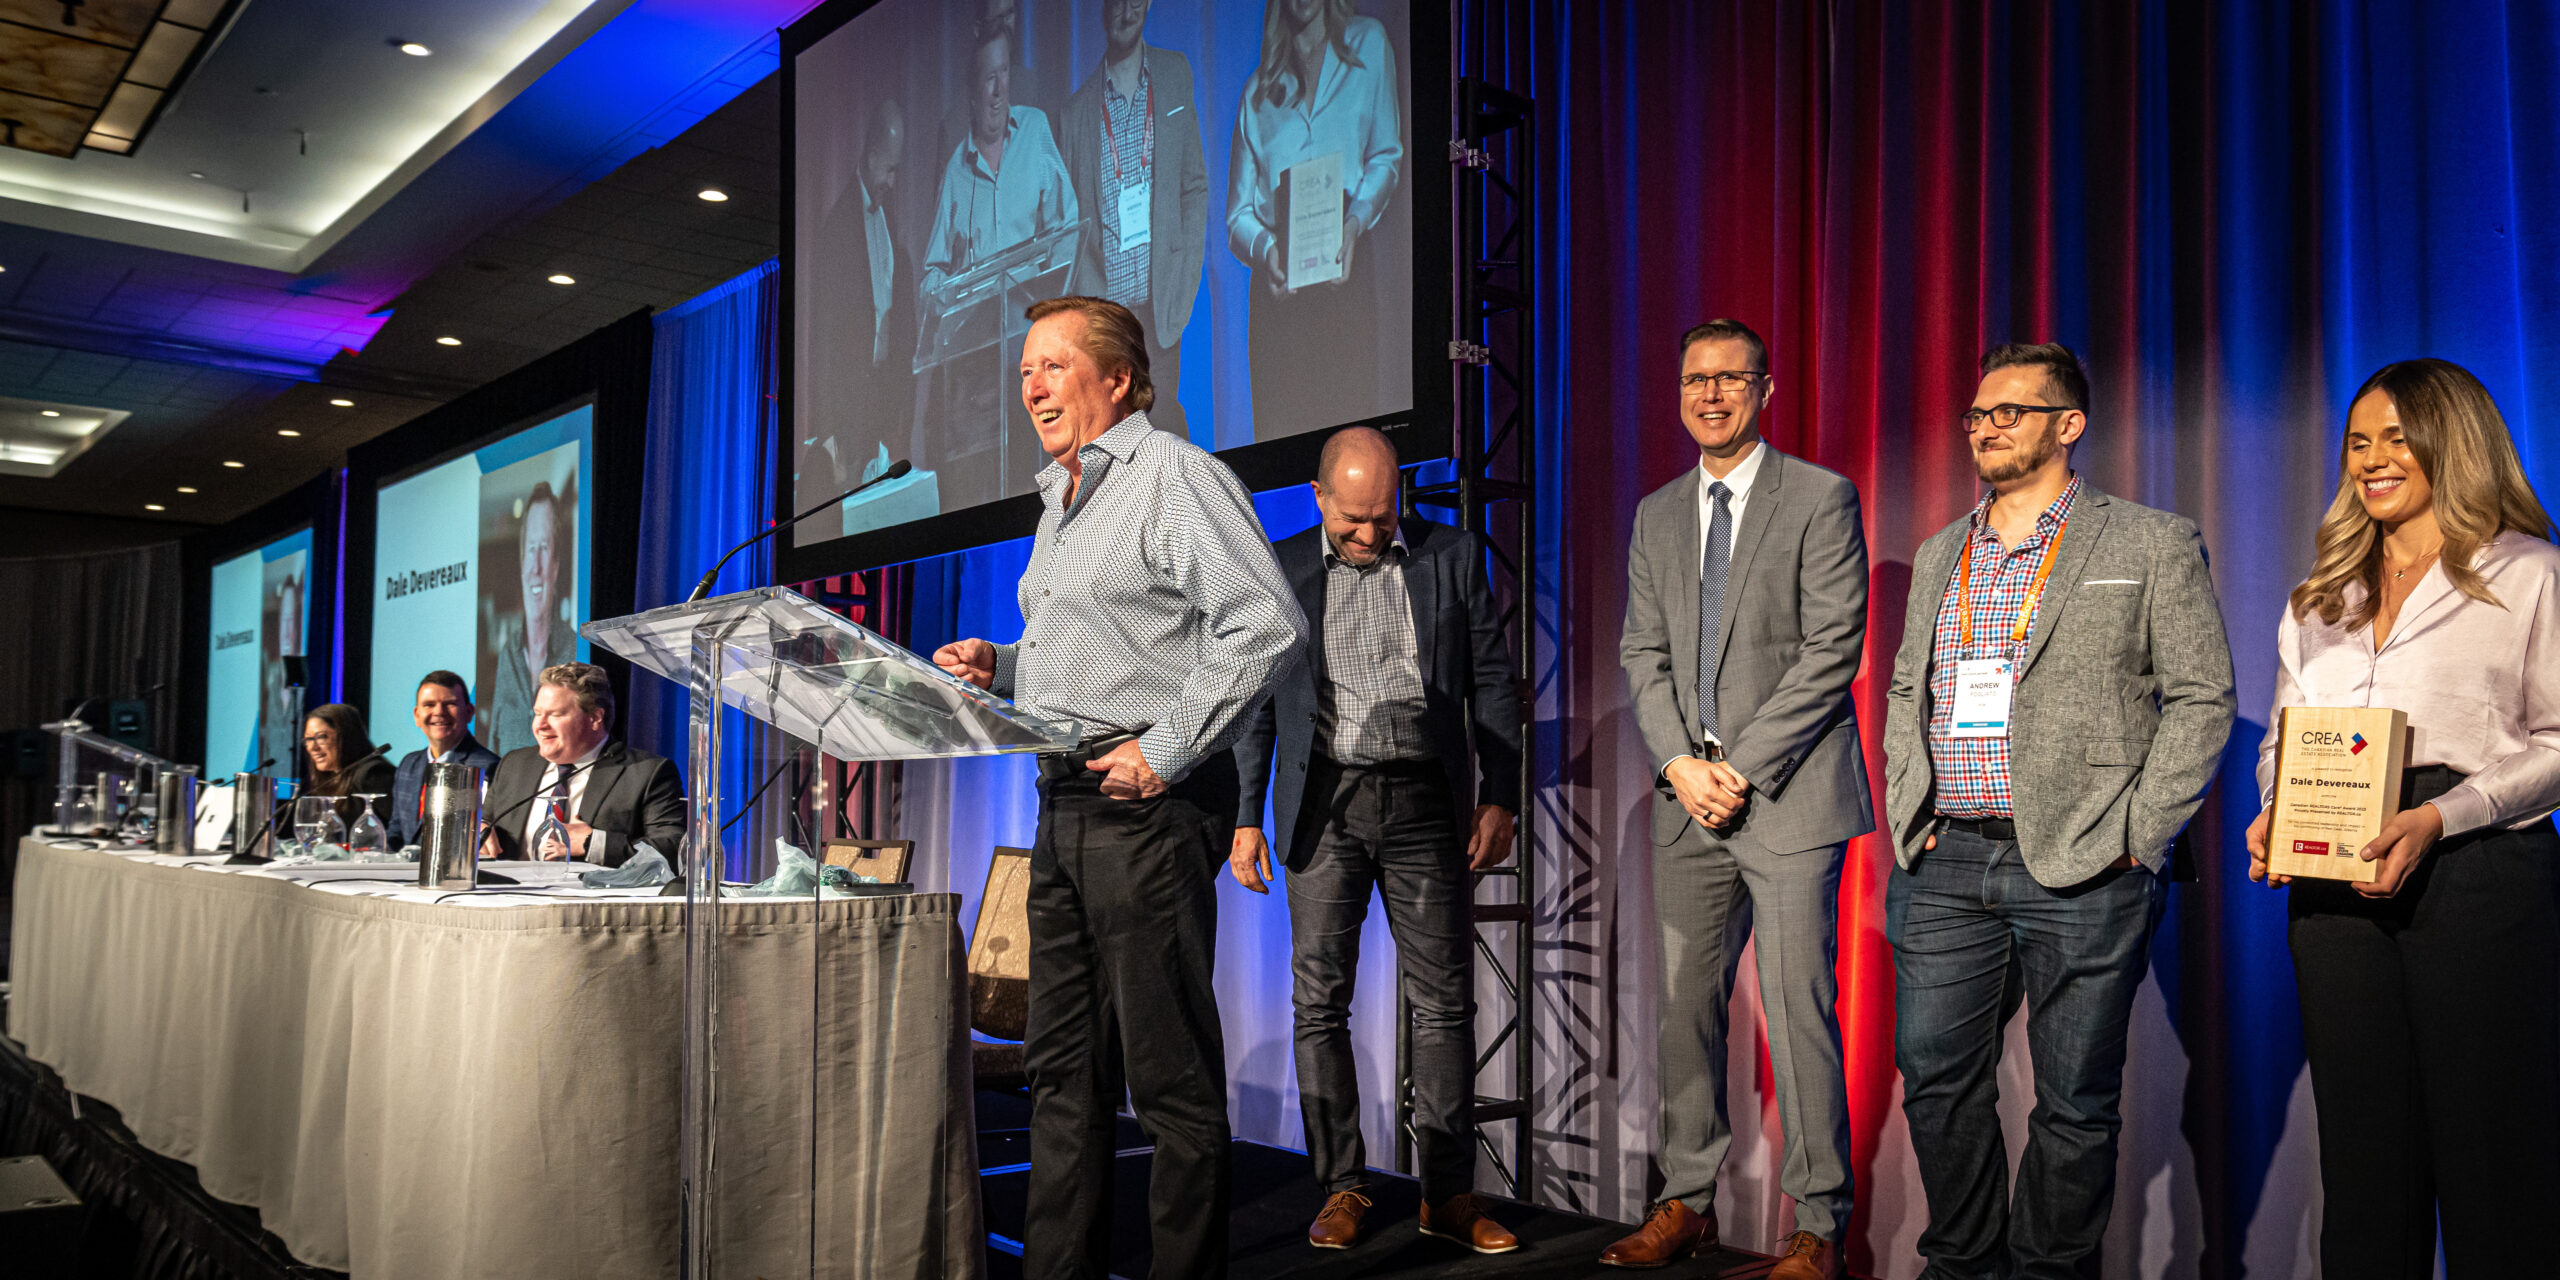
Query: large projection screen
[257, 622]
[1263, 182]
[482, 567]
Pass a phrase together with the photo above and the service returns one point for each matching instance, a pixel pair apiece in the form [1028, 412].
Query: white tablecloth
[418, 1086]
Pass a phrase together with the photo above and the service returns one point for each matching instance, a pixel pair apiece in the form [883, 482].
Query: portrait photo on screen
[528, 540]
[257, 622]
[481, 568]
[1236, 172]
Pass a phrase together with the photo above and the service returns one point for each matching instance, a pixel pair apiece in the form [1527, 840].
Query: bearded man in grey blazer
[2057, 710]
[1746, 615]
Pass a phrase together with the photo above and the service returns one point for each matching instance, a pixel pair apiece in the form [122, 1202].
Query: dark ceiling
[212, 360]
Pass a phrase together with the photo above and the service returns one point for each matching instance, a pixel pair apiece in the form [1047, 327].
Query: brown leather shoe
[1461, 1218]
[1807, 1257]
[1338, 1226]
[1671, 1232]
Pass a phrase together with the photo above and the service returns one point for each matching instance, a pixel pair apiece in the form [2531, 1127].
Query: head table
[410, 1084]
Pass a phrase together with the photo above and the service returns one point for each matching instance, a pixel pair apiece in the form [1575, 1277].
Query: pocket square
[2112, 582]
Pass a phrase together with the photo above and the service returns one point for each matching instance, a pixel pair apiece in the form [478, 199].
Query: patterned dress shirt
[1369, 706]
[1972, 774]
[1154, 604]
[1128, 163]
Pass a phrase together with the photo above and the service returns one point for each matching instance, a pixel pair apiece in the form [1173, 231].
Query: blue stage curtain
[708, 487]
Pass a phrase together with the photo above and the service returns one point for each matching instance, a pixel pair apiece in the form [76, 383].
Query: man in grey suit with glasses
[2059, 705]
[1746, 615]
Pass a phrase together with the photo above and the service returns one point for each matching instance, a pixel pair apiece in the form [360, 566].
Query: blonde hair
[588, 683]
[2461, 444]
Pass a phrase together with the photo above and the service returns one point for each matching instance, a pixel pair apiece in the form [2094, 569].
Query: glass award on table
[867, 1155]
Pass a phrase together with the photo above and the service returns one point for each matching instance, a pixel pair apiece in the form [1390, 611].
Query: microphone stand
[703, 588]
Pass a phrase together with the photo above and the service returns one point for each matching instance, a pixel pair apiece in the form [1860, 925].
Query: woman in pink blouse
[2431, 997]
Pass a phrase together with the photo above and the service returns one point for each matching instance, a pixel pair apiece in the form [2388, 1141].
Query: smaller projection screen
[481, 567]
[1263, 183]
[257, 624]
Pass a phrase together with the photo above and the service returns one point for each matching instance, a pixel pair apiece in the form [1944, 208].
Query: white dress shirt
[1740, 483]
[983, 210]
[2480, 682]
[1353, 113]
[585, 766]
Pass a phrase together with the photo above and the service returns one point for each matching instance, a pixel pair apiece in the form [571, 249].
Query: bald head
[1366, 451]
[1356, 489]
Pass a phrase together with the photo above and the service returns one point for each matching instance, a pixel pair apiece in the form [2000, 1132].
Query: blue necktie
[1711, 604]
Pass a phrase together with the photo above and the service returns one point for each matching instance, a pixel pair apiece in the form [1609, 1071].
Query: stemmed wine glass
[367, 839]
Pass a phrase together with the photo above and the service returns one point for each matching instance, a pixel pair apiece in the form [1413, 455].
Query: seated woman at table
[345, 761]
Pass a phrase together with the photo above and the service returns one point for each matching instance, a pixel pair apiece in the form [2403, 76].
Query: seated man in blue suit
[1377, 786]
[443, 713]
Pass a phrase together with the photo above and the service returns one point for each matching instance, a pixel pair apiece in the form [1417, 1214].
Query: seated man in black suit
[607, 795]
[443, 713]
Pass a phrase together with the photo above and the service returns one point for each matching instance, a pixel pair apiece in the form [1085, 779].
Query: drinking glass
[84, 811]
[367, 838]
[315, 820]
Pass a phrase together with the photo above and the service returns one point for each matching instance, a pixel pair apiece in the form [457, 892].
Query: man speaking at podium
[1155, 616]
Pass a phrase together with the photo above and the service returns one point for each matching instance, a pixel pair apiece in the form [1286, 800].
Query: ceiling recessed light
[713, 194]
[412, 48]
[197, 174]
[287, 431]
[186, 488]
[234, 465]
[448, 342]
[153, 506]
[343, 404]
[52, 413]
[563, 278]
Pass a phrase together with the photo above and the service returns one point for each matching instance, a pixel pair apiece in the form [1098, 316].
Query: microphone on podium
[703, 588]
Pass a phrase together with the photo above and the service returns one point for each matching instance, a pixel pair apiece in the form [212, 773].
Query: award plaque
[2337, 782]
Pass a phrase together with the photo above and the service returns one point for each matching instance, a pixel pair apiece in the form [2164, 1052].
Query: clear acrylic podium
[780, 658]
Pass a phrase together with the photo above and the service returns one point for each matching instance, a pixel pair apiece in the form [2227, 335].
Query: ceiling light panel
[333, 131]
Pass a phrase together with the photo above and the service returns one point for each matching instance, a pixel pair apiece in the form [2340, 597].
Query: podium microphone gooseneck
[703, 588]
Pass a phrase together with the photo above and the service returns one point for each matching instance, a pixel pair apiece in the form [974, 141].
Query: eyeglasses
[1731, 382]
[2003, 416]
[309, 739]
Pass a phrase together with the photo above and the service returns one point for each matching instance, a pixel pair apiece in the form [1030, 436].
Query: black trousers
[1389, 829]
[2432, 1021]
[1123, 930]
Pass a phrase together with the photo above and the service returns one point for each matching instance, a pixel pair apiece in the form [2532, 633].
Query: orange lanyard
[1147, 131]
[2026, 610]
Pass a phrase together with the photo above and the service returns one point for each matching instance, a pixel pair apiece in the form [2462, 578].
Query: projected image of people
[532, 630]
[1005, 219]
[1317, 153]
[955, 161]
[1132, 144]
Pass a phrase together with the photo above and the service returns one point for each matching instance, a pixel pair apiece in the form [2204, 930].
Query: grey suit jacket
[2123, 699]
[1178, 218]
[1795, 622]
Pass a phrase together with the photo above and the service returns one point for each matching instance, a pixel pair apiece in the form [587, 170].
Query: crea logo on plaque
[2337, 782]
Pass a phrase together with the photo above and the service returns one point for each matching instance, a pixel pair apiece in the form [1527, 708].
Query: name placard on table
[2337, 782]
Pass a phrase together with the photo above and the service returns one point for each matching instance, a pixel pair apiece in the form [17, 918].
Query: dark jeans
[2432, 1021]
[1123, 930]
[1390, 828]
[1971, 932]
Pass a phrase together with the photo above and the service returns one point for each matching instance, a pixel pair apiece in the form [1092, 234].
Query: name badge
[1136, 202]
[1983, 686]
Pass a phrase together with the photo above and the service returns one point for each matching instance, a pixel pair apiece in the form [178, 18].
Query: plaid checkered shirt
[1972, 774]
[1155, 604]
[1370, 704]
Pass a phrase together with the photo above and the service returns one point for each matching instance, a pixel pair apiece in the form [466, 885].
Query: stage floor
[1275, 1199]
